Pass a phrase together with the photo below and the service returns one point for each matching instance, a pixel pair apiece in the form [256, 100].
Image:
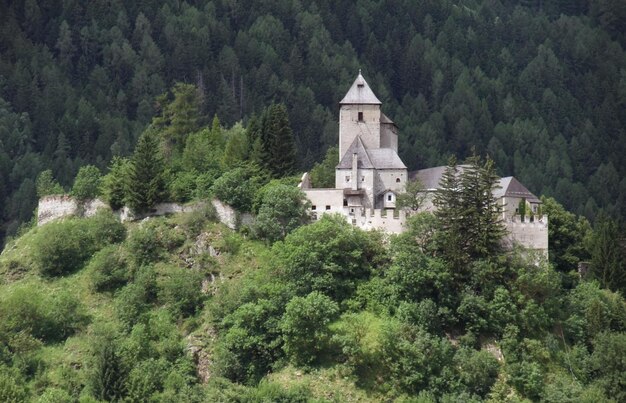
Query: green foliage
[181, 291]
[179, 117]
[149, 242]
[329, 256]
[49, 317]
[608, 362]
[62, 247]
[468, 212]
[109, 376]
[113, 186]
[46, 185]
[283, 209]
[413, 196]
[305, 327]
[414, 360]
[323, 173]
[279, 149]
[145, 182]
[108, 269]
[607, 255]
[272, 392]
[12, 388]
[566, 235]
[87, 183]
[236, 188]
[592, 311]
[477, 370]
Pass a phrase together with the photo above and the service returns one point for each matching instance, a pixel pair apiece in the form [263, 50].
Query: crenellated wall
[530, 234]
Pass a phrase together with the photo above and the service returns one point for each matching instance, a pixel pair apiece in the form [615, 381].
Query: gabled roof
[430, 177]
[357, 147]
[507, 187]
[385, 158]
[378, 158]
[511, 187]
[360, 93]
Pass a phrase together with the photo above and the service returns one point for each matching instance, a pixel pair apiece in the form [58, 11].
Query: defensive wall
[55, 207]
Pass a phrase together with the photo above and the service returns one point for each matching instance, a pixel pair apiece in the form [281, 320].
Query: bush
[181, 290]
[108, 269]
[87, 183]
[62, 247]
[236, 188]
[182, 187]
[150, 241]
[284, 208]
[46, 316]
[305, 327]
[477, 370]
[12, 388]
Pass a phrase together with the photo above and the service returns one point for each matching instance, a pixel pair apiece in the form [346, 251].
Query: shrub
[12, 388]
[148, 242]
[181, 290]
[284, 208]
[305, 327]
[235, 188]
[477, 370]
[87, 183]
[108, 269]
[62, 247]
[182, 186]
[46, 316]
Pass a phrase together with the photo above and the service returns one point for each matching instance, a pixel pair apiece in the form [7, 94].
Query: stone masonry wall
[54, 207]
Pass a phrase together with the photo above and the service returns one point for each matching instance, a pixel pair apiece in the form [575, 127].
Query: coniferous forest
[142, 102]
[540, 86]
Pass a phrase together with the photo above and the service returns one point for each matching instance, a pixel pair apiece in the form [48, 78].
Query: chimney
[355, 172]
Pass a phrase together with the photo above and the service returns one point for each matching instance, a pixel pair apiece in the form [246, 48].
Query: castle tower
[359, 115]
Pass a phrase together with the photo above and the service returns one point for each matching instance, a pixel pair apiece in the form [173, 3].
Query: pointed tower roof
[360, 93]
[357, 147]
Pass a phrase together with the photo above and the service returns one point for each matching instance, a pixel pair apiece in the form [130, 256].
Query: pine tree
[145, 185]
[607, 255]
[279, 144]
[468, 213]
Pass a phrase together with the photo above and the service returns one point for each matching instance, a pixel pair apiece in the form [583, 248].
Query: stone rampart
[54, 207]
[529, 234]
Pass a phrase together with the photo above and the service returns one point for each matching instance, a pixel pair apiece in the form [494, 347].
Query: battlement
[529, 234]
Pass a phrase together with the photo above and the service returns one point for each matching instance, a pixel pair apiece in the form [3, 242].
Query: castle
[370, 175]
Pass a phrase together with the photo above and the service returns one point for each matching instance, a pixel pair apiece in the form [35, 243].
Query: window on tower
[360, 116]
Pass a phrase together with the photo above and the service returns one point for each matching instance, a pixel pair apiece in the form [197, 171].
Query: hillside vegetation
[539, 85]
[183, 309]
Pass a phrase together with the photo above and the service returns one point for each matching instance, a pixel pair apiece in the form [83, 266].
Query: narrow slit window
[360, 116]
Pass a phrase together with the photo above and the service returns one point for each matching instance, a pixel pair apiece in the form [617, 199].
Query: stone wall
[531, 235]
[54, 207]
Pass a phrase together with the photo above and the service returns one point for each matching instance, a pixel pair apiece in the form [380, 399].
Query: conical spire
[360, 93]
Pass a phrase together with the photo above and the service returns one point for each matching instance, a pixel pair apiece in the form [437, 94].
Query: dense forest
[151, 101]
[538, 85]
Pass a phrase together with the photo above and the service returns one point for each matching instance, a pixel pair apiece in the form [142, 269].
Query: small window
[345, 202]
[327, 207]
[397, 180]
[360, 116]
[388, 197]
[352, 210]
[347, 178]
[314, 207]
[362, 178]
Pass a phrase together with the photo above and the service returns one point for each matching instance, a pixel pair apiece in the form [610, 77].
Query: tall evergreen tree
[468, 212]
[278, 142]
[145, 185]
[607, 255]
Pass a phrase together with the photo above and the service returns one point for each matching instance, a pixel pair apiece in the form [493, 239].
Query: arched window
[397, 180]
